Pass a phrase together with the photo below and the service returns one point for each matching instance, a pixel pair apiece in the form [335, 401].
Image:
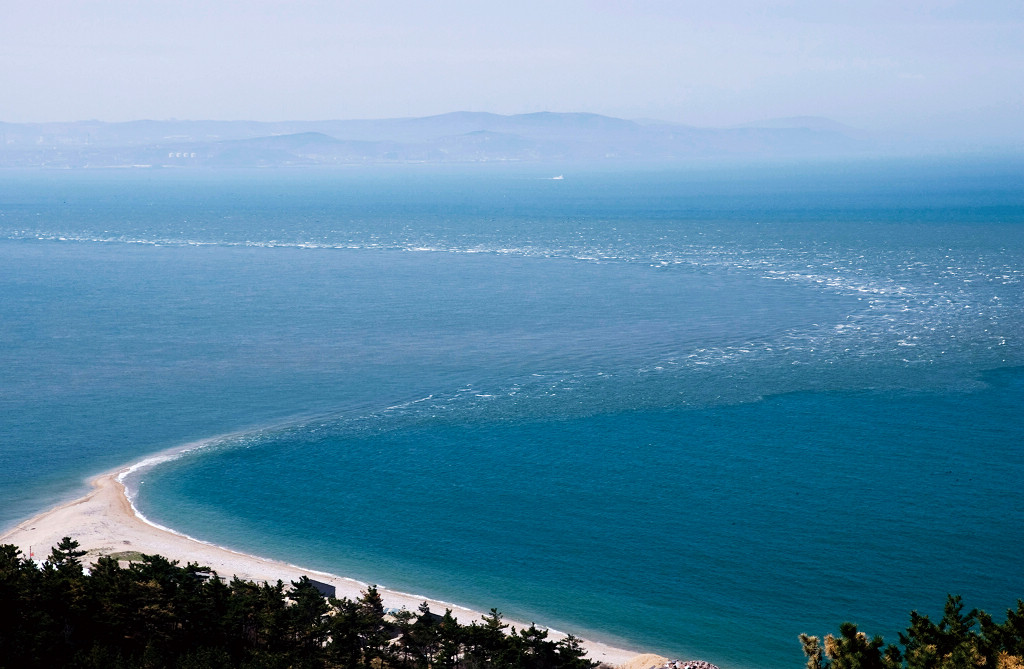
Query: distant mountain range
[459, 137]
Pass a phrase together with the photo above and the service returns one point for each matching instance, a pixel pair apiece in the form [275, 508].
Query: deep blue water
[696, 411]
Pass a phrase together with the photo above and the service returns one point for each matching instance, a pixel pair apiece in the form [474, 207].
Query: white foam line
[164, 528]
[174, 454]
[404, 405]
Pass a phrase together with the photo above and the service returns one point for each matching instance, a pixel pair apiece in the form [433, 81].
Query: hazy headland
[458, 137]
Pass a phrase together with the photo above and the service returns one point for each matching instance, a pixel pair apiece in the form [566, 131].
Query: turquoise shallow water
[697, 411]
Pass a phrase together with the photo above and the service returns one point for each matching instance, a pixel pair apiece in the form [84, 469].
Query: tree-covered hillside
[155, 613]
[958, 640]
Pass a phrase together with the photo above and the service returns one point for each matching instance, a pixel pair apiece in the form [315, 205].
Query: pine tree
[572, 655]
[305, 624]
[66, 558]
[450, 639]
[951, 644]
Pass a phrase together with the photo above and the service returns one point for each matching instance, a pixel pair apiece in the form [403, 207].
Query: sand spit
[104, 523]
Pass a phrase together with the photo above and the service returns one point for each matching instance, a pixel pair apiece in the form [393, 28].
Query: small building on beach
[325, 589]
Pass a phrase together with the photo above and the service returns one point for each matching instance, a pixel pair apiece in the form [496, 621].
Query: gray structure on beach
[325, 589]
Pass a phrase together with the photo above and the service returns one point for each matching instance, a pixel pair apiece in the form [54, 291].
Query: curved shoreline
[105, 521]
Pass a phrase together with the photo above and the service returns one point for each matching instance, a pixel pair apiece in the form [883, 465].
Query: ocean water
[697, 411]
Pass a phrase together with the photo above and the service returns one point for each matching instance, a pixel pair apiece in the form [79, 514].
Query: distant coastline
[454, 138]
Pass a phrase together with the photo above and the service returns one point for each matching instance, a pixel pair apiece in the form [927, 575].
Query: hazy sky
[933, 65]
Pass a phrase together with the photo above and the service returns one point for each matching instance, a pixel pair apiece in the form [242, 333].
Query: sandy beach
[104, 523]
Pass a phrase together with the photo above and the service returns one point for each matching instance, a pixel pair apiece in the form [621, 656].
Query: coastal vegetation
[155, 613]
[958, 640]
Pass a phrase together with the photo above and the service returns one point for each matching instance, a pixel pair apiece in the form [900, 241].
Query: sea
[695, 410]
